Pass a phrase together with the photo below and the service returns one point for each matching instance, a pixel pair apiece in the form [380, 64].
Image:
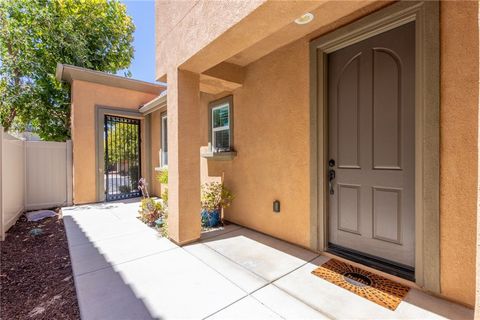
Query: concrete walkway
[124, 270]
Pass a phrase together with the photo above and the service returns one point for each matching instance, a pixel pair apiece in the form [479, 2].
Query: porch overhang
[267, 28]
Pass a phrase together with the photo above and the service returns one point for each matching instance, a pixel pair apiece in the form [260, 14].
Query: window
[164, 140]
[221, 125]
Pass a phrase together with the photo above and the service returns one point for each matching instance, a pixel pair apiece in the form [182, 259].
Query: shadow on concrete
[103, 294]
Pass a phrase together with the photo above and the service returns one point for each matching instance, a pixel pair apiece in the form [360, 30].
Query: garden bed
[36, 273]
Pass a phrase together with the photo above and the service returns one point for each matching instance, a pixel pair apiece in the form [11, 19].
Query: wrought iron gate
[122, 157]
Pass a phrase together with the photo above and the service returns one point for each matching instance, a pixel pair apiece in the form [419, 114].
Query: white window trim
[163, 141]
[224, 105]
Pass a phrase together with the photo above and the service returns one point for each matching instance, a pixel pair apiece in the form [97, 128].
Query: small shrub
[215, 196]
[142, 186]
[124, 189]
[162, 225]
[162, 176]
[164, 197]
[134, 175]
[150, 211]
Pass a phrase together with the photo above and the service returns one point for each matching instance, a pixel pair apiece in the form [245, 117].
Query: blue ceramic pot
[210, 219]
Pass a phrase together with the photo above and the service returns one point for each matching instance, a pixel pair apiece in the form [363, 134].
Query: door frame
[427, 132]
[100, 112]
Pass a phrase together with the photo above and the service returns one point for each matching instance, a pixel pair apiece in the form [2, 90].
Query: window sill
[219, 156]
[161, 168]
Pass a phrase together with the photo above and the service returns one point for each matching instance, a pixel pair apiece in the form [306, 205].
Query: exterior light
[305, 18]
[276, 206]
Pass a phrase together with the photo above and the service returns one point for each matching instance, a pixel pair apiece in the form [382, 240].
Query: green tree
[35, 35]
[122, 143]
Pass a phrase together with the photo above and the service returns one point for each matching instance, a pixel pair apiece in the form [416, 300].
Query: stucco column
[459, 96]
[183, 156]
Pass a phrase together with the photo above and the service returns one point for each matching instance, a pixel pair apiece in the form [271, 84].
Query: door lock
[331, 163]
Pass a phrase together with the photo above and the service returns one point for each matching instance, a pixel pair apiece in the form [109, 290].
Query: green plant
[215, 196]
[124, 189]
[150, 211]
[133, 172]
[163, 226]
[164, 197]
[118, 150]
[162, 176]
[36, 35]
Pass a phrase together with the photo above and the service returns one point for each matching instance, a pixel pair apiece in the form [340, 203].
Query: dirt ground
[35, 272]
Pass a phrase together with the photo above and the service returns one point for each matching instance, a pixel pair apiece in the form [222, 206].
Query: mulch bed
[36, 274]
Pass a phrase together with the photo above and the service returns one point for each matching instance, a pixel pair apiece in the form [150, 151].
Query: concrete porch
[124, 270]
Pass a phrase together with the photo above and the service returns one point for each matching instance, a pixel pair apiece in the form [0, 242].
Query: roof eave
[70, 73]
[154, 104]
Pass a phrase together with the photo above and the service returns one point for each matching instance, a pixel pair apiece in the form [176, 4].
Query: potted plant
[215, 197]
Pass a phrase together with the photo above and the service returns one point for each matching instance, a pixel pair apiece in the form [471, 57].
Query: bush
[162, 176]
[150, 211]
[162, 225]
[215, 196]
[134, 176]
[164, 197]
[124, 189]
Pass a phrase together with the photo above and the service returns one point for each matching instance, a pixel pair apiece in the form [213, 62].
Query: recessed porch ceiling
[328, 15]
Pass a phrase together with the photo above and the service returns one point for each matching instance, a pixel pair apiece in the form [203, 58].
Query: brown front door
[371, 101]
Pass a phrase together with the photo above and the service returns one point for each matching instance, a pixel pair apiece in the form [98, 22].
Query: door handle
[331, 177]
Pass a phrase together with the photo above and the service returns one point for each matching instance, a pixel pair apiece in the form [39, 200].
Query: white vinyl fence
[33, 175]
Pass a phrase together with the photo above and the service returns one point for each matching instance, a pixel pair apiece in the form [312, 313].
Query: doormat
[373, 287]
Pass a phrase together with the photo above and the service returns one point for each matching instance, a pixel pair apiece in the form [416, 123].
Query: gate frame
[100, 112]
[138, 124]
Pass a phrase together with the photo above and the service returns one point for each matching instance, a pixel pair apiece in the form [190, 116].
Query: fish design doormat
[373, 287]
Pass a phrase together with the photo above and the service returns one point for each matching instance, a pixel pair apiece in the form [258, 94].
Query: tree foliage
[35, 35]
[122, 143]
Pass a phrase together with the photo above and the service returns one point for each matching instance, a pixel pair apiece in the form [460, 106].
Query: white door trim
[427, 137]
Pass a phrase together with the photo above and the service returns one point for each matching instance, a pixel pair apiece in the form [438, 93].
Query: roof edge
[154, 104]
[69, 73]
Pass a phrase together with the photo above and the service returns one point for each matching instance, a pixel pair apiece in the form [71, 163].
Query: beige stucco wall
[85, 96]
[155, 136]
[271, 138]
[183, 156]
[271, 118]
[176, 40]
[458, 150]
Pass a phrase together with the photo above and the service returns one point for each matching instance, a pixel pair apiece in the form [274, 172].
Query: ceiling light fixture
[305, 18]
